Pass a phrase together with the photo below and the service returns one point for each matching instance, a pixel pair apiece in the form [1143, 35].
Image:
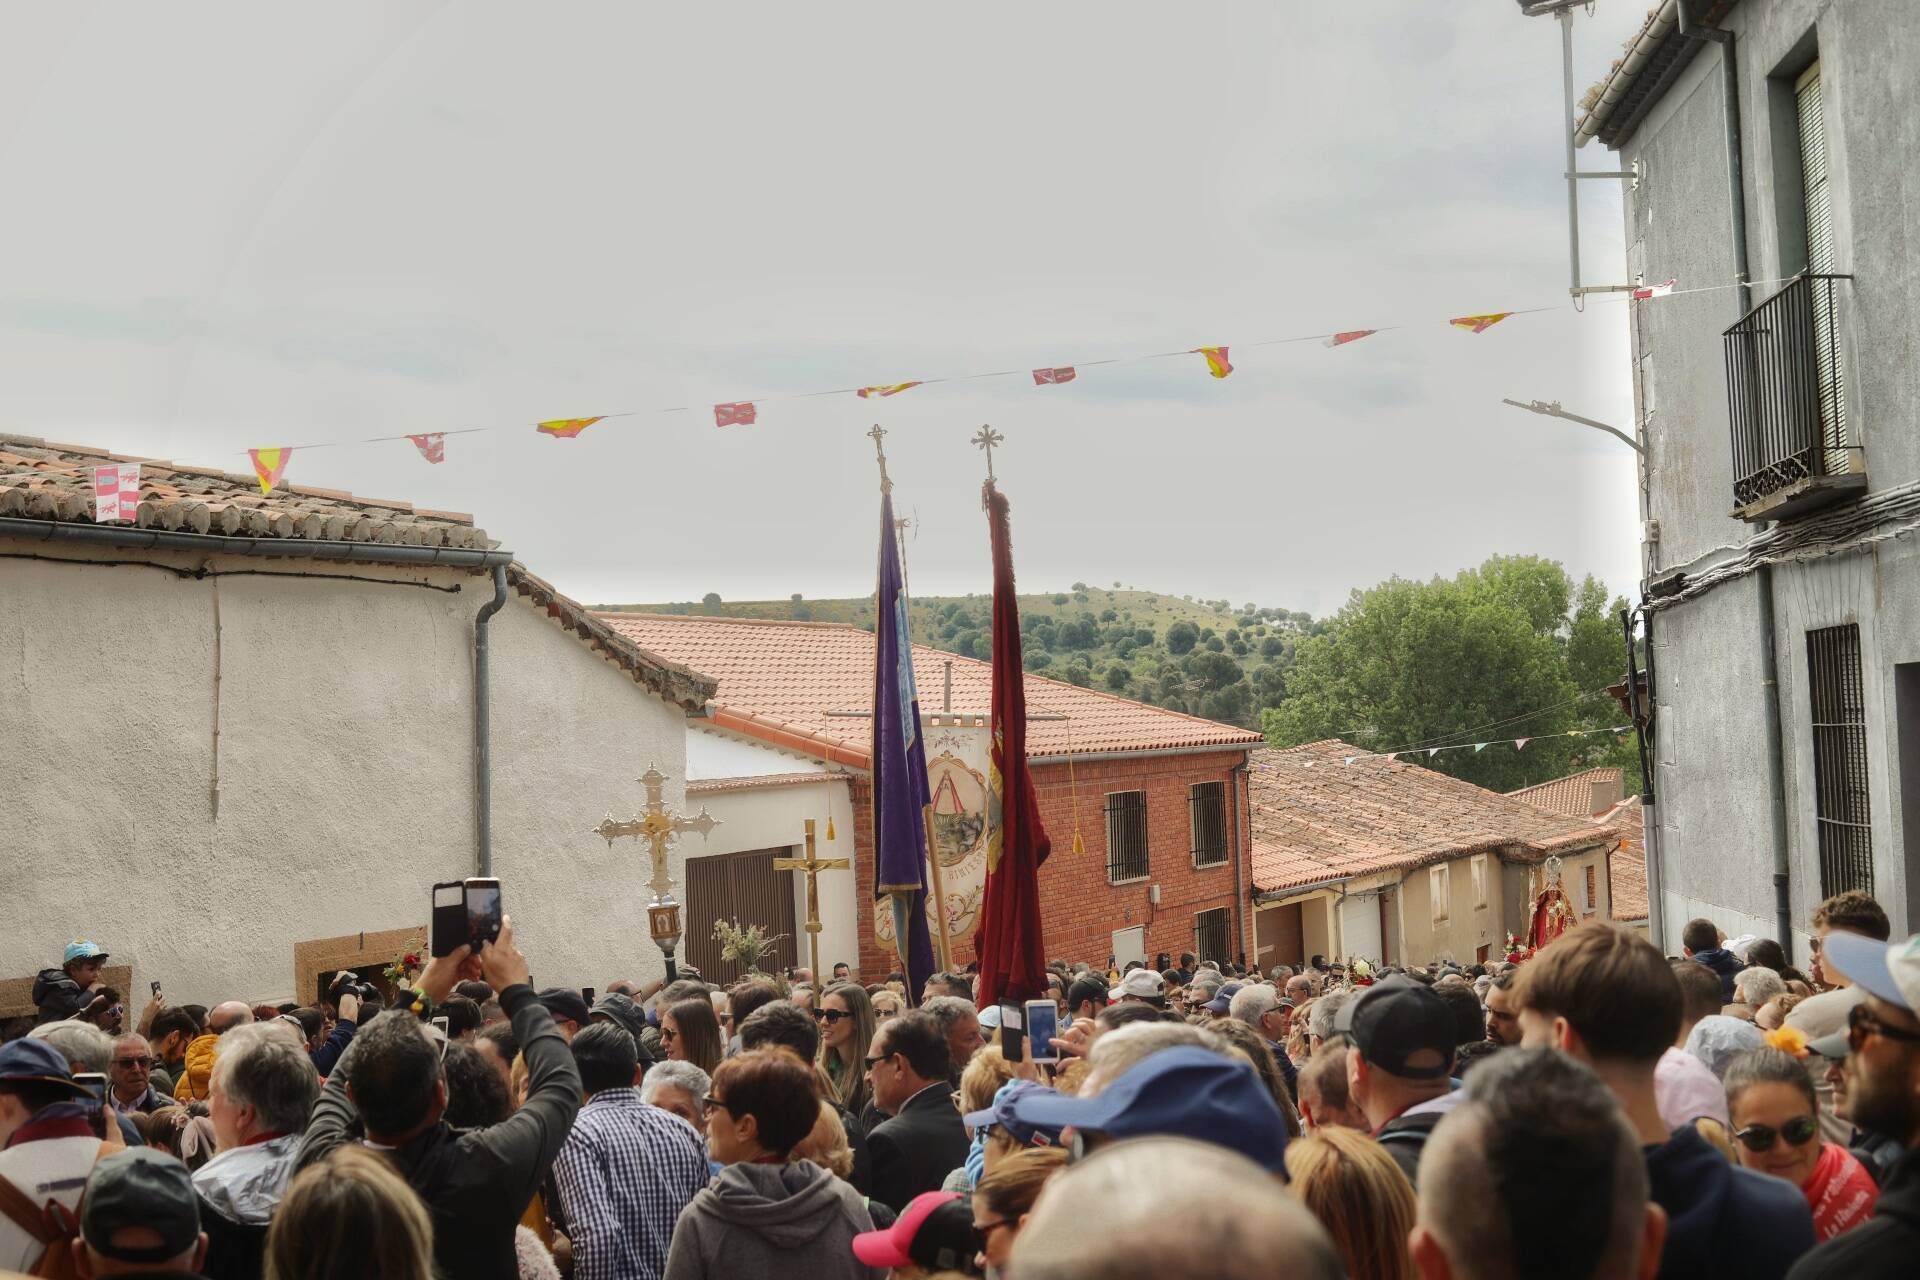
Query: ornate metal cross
[812, 866]
[986, 438]
[656, 825]
[877, 435]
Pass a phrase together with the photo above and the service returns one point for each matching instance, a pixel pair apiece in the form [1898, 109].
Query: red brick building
[1159, 798]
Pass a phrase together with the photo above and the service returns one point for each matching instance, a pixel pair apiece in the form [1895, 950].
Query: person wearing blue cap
[70, 989]
[1005, 1130]
[1186, 1092]
[1882, 1085]
[50, 1131]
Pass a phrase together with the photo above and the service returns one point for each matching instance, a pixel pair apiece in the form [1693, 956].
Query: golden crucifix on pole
[658, 826]
[812, 866]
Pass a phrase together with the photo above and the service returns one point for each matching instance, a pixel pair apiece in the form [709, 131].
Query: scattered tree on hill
[1181, 637]
[1118, 678]
[1059, 597]
[711, 600]
[1036, 660]
[1078, 672]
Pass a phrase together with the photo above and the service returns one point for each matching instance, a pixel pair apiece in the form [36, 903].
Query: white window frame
[1440, 891]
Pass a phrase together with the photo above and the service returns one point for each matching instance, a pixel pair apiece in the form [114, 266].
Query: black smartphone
[93, 1082]
[484, 916]
[448, 925]
[155, 988]
[586, 993]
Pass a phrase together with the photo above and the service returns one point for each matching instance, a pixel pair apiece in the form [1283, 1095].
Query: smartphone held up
[466, 913]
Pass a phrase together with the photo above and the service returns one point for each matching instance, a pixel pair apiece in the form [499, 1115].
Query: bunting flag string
[270, 465]
[270, 462]
[566, 428]
[116, 492]
[1476, 747]
[1217, 363]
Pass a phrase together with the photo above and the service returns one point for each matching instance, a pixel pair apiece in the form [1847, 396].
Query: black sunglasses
[1863, 1022]
[874, 1060]
[1760, 1137]
[830, 1016]
[710, 1103]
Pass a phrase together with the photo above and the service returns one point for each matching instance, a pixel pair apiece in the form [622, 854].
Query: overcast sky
[242, 224]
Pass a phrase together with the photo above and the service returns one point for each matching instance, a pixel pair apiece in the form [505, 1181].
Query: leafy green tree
[1078, 672]
[1036, 660]
[1412, 663]
[1216, 644]
[1214, 671]
[1272, 647]
[711, 600]
[1181, 637]
[1059, 597]
[1118, 678]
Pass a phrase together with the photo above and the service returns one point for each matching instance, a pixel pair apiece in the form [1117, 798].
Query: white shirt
[50, 1169]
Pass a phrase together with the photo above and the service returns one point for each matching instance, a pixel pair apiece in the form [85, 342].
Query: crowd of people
[1598, 1110]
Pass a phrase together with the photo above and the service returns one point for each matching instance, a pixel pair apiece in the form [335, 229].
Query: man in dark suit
[925, 1140]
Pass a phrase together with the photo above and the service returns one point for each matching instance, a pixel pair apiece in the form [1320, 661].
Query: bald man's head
[1162, 1205]
[225, 1017]
[1535, 1174]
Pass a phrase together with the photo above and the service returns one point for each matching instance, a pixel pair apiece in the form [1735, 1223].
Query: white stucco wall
[345, 770]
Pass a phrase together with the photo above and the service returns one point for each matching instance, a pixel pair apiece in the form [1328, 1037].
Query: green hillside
[1202, 656]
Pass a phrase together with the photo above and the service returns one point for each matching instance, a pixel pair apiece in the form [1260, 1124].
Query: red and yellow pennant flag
[890, 389]
[1051, 377]
[1217, 363]
[738, 414]
[1479, 324]
[432, 446]
[269, 465]
[565, 428]
[1348, 335]
[1653, 291]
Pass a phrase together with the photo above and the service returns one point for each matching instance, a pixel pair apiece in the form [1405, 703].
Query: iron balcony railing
[1786, 393]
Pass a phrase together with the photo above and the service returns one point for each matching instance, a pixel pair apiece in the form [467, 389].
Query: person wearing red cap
[934, 1232]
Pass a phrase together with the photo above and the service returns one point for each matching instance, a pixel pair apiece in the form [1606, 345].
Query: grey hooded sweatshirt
[795, 1220]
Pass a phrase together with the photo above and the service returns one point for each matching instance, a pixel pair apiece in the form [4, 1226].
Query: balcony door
[1820, 262]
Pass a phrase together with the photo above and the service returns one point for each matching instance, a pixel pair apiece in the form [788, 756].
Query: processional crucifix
[659, 827]
[812, 866]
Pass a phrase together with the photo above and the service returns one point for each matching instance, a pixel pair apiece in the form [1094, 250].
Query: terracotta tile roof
[1627, 864]
[762, 782]
[671, 680]
[1316, 819]
[1573, 794]
[40, 480]
[781, 681]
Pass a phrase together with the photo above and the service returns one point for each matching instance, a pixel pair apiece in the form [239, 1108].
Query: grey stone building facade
[1775, 144]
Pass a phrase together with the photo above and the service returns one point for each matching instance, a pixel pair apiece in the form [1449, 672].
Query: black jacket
[1887, 1245]
[1724, 963]
[57, 997]
[476, 1182]
[328, 1055]
[916, 1150]
[862, 1175]
[1723, 1220]
[1405, 1138]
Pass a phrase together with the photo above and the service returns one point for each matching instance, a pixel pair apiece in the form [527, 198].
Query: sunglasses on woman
[1798, 1132]
[830, 1016]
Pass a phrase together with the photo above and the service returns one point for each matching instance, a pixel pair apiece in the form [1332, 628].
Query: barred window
[1126, 836]
[1843, 812]
[1207, 803]
[1210, 935]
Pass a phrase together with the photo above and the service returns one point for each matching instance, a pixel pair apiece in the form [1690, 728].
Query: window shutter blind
[1820, 262]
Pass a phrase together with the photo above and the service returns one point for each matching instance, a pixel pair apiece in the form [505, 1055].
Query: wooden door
[743, 887]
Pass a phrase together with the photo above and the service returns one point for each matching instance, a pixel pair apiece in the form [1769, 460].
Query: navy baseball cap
[29, 1061]
[1223, 998]
[564, 1003]
[1184, 1092]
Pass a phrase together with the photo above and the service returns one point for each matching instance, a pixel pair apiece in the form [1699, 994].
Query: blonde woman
[845, 1017]
[350, 1216]
[1360, 1196]
[887, 1004]
[1004, 1198]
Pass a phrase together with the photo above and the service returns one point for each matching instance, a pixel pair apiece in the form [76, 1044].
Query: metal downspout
[1769, 655]
[483, 725]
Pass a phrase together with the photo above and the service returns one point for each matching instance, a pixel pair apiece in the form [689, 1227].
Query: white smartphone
[1043, 1024]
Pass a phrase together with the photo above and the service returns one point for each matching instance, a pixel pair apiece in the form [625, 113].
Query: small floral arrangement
[1515, 951]
[1787, 1040]
[744, 945]
[400, 972]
